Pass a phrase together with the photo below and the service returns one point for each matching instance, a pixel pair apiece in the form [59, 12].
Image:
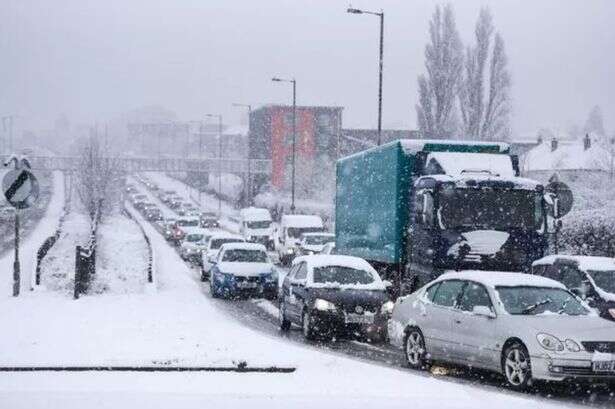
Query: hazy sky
[93, 60]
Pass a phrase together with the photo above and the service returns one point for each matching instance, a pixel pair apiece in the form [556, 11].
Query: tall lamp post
[219, 161]
[249, 175]
[294, 150]
[381, 15]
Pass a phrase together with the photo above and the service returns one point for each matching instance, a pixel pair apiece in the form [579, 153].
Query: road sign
[20, 188]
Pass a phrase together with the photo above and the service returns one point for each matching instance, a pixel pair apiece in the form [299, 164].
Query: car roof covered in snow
[499, 278]
[225, 235]
[255, 214]
[243, 246]
[584, 262]
[301, 220]
[322, 260]
[194, 230]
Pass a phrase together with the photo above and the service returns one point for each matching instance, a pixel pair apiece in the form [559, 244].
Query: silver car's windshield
[528, 300]
[194, 237]
[604, 279]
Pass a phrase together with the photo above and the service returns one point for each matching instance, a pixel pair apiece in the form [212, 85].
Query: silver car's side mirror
[483, 311]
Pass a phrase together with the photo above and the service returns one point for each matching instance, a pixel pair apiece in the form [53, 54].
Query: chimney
[587, 142]
[553, 145]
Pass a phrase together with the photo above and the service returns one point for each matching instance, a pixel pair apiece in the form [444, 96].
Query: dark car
[335, 295]
[153, 214]
[590, 278]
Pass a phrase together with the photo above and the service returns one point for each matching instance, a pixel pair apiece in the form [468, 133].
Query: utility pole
[249, 184]
[219, 161]
[380, 63]
[294, 149]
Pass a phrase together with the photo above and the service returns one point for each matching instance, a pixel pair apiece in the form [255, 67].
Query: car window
[431, 291]
[570, 276]
[539, 270]
[474, 295]
[551, 271]
[301, 273]
[448, 292]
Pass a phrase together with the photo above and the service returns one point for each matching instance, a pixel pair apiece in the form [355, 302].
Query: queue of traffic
[555, 324]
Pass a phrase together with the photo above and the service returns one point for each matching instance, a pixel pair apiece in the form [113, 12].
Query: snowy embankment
[45, 228]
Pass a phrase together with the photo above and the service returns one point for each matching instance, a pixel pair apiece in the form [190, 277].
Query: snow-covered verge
[46, 227]
[121, 265]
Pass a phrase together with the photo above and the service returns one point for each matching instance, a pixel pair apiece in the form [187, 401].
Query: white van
[292, 226]
[257, 226]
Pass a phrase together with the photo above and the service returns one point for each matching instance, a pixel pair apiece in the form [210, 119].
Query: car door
[438, 316]
[298, 290]
[475, 333]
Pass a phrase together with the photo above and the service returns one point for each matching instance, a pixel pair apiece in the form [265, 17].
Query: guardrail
[151, 259]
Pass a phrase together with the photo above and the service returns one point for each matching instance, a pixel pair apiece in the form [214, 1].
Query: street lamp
[249, 176]
[219, 161]
[381, 15]
[294, 82]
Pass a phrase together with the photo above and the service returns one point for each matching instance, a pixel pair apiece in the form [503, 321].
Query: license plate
[246, 285]
[359, 319]
[603, 366]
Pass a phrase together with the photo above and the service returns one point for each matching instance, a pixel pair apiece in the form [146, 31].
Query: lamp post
[294, 150]
[381, 63]
[249, 175]
[219, 161]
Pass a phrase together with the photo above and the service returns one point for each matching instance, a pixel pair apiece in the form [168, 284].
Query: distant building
[569, 158]
[317, 134]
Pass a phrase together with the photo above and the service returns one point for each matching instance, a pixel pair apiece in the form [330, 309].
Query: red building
[318, 130]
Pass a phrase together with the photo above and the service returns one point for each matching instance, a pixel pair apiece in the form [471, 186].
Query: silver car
[522, 326]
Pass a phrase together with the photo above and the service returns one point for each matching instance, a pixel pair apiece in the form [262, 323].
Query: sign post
[21, 190]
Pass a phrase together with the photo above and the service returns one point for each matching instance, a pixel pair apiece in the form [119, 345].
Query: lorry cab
[590, 278]
[256, 226]
[292, 226]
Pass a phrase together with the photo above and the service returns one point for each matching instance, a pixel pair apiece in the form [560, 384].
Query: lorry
[256, 226]
[417, 208]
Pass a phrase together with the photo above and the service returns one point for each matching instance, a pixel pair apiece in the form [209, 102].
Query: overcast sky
[93, 60]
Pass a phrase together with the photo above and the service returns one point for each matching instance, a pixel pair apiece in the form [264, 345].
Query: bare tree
[436, 112]
[97, 180]
[485, 111]
[595, 123]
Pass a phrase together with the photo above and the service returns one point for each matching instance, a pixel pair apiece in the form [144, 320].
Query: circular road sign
[565, 199]
[20, 188]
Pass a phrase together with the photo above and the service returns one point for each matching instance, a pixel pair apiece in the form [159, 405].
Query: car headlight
[549, 342]
[324, 305]
[572, 346]
[612, 312]
[387, 308]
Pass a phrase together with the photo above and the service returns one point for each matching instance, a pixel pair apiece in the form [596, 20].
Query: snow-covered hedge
[588, 233]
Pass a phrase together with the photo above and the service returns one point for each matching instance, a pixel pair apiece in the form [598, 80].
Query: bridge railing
[226, 165]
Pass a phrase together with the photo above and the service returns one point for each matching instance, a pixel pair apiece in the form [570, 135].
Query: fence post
[77, 272]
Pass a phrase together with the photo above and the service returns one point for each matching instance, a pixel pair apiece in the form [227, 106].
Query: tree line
[464, 93]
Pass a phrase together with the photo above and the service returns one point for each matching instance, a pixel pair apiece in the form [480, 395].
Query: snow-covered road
[181, 325]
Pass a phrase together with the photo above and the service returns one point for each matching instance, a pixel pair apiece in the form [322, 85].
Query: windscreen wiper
[532, 307]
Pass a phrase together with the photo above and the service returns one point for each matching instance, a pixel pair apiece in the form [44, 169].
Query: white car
[292, 226]
[210, 254]
[256, 226]
[243, 269]
[193, 243]
[523, 326]
[314, 243]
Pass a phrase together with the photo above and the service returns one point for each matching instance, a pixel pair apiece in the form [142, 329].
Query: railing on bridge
[67, 163]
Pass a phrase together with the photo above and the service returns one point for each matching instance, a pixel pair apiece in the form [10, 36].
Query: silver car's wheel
[306, 324]
[517, 366]
[284, 323]
[414, 348]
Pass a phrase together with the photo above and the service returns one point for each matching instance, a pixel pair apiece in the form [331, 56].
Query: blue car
[243, 269]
